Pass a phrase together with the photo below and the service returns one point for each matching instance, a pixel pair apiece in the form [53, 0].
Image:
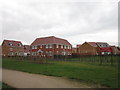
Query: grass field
[105, 75]
[6, 87]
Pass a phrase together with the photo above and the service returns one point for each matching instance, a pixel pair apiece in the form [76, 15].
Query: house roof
[102, 44]
[50, 40]
[92, 44]
[14, 43]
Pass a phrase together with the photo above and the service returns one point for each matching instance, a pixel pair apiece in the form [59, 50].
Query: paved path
[19, 79]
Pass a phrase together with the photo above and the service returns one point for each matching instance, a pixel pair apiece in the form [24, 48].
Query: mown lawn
[6, 87]
[105, 75]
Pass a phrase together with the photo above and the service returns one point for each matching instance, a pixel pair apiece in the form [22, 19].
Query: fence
[101, 59]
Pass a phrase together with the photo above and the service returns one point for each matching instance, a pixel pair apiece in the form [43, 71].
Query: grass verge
[105, 75]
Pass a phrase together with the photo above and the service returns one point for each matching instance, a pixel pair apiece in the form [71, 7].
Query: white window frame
[57, 46]
[10, 44]
[46, 46]
[102, 53]
[40, 46]
[50, 46]
[35, 47]
[32, 47]
[61, 46]
[50, 52]
[19, 44]
[64, 46]
[11, 49]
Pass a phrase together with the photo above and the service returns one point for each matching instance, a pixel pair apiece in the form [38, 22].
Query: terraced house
[12, 48]
[50, 46]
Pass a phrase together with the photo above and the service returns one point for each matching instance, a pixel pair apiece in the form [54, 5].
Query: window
[11, 53]
[19, 45]
[69, 47]
[57, 52]
[10, 44]
[32, 47]
[40, 46]
[57, 45]
[50, 53]
[61, 46]
[103, 53]
[109, 52]
[11, 49]
[35, 47]
[34, 53]
[63, 53]
[50, 45]
[64, 46]
[46, 46]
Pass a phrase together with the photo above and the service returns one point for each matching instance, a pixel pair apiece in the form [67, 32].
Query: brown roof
[14, 43]
[50, 40]
[92, 44]
[97, 44]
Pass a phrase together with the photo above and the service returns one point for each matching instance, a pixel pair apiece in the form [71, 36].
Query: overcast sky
[74, 20]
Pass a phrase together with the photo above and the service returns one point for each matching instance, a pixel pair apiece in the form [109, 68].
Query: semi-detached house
[50, 46]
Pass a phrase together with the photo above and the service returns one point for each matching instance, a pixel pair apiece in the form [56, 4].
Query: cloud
[28, 20]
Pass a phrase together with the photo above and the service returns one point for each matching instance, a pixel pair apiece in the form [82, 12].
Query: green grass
[6, 87]
[105, 75]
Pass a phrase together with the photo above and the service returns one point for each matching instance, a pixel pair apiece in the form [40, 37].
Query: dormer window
[19, 45]
[10, 44]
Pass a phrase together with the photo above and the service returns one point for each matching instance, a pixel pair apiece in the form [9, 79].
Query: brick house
[104, 48]
[74, 50]
[115, 50]
[12, 48]
[94, 48]
[50, 46]
[88, 48]
[26, 50]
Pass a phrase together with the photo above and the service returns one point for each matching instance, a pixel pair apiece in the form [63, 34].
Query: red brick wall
[53, 49]
[6, 50]
[86, 49]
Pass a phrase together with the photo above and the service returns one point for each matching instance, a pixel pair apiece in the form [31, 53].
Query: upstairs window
[40, 46]
[57, 45]
[50, 45]
[34, 47]
[46, 46]
[61, 46]
[65, 46]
